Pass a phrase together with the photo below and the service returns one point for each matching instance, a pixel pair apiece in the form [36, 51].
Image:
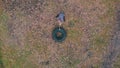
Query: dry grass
[26, 25]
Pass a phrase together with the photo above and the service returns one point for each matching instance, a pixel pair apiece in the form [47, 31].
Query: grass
[1, 61]
[23, 58]
[16, 58]
[10, 57]
[3, 34]
[3, 25]
[69, 62]
[116, 64]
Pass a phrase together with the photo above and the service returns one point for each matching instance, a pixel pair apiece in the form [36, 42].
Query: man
[61, 18]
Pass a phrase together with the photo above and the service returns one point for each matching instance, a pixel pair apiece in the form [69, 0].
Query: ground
[93, 34]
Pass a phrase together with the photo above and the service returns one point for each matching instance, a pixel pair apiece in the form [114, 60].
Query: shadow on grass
[114, 51]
